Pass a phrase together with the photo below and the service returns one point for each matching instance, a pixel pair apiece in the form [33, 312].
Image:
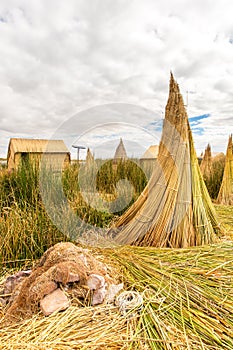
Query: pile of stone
[65, 275]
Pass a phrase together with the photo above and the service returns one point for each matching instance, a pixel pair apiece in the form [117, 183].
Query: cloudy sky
[92, 70]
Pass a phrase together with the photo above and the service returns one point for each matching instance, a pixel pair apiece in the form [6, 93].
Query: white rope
[129, 300]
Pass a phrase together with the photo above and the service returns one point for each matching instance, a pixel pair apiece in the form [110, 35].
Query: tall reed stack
[175, 209]
[206, 165]
[89, 158]
[225, 195]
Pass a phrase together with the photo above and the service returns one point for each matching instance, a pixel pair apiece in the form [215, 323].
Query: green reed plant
[26, 228]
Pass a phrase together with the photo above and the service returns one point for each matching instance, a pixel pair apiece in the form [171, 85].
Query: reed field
[187, 293]
[26, 229]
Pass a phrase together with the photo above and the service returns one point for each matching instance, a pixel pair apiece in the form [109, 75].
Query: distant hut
[225, 195]
[206, 165]
[151, 153]
[21, 150]
[148, 160]
[120, 154]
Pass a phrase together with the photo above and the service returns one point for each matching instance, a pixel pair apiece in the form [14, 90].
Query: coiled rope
[129, 300]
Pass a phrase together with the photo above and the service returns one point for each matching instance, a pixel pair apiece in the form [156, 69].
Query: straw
[206, 165]
[187, 304]
[225, 195]
[175, 209]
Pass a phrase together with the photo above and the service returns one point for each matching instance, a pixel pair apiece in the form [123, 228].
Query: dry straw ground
[188, 303]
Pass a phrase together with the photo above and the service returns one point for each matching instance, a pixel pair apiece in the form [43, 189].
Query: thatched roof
[19, 145]
[120, 151]
[206, 165]
[225, 195]
[175, 209]
[151, 152]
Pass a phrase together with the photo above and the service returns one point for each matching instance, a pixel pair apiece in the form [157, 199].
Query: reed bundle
[206, 165]
[89, 158]
[225, 195]
[175, 209]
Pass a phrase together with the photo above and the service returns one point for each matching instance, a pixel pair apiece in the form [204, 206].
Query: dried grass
[225, 213]
[77, 328]
[188, 304]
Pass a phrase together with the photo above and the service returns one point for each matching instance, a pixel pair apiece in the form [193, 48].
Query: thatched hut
[175, 209]
[21, 150]
[225, 195]
[151, 153]
[120, 153]
[148, 160]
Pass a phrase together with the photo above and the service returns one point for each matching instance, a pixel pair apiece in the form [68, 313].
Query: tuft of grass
[25, 234]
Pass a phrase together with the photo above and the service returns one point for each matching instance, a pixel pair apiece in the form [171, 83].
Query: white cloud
[58, 58]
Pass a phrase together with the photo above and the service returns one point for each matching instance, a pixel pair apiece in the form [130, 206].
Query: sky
[91, 71]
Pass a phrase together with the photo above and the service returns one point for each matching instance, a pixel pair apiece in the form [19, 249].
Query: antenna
[78, 150]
